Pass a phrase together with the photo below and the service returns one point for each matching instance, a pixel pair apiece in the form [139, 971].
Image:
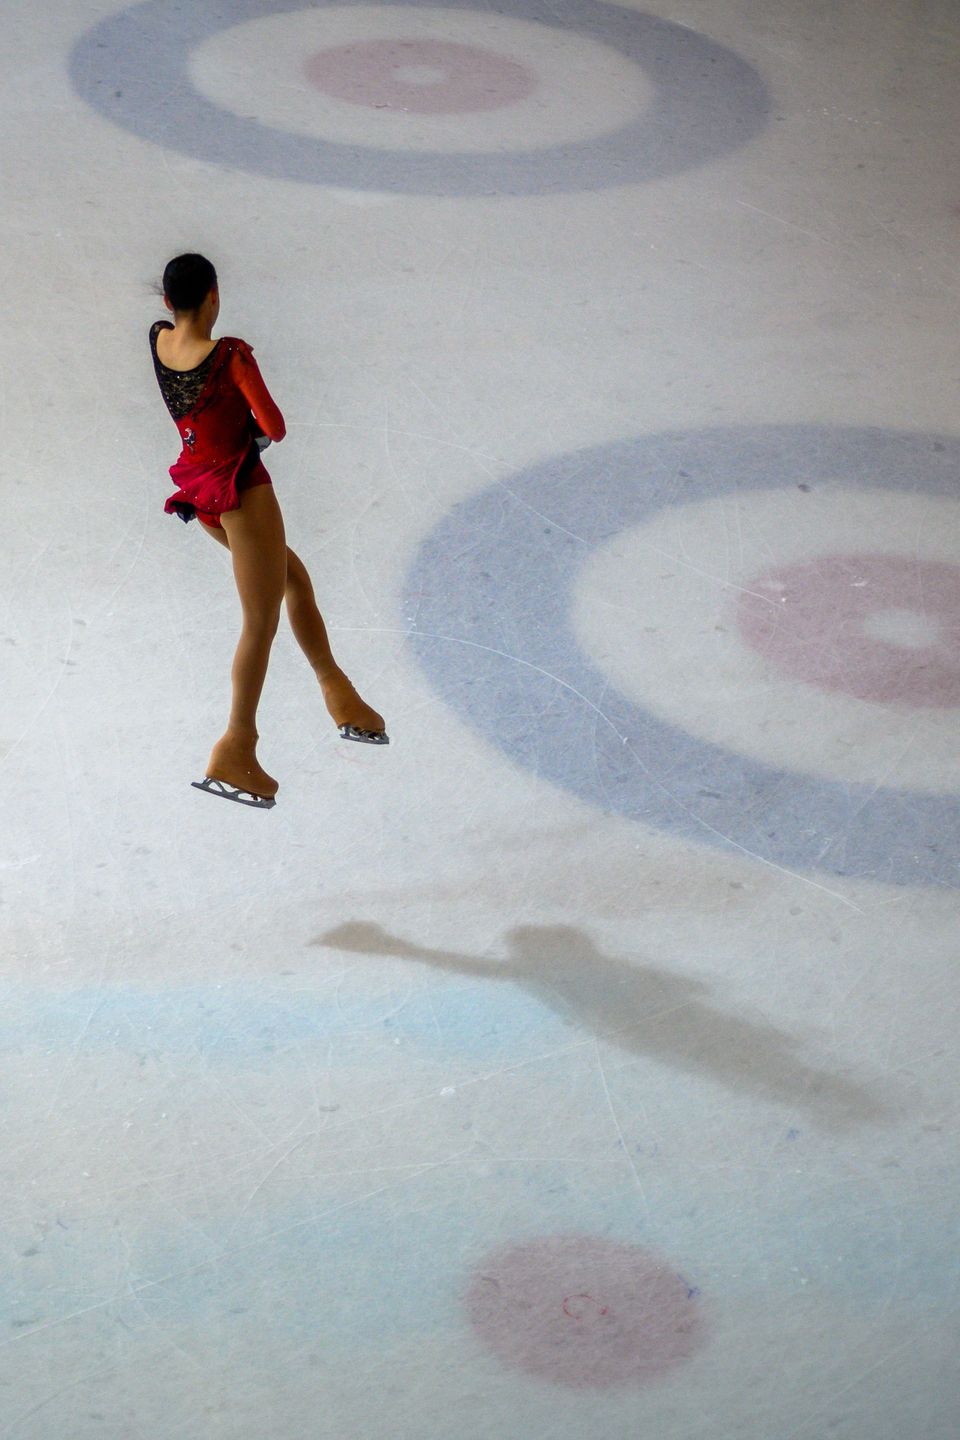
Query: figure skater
[225, 416]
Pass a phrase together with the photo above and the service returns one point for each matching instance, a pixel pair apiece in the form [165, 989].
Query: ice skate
[228, 792]
[234, 773]
[353, 717]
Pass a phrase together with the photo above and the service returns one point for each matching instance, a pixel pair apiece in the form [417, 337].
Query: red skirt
[207, 491]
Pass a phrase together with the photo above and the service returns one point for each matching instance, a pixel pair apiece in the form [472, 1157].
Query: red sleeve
[245, 374]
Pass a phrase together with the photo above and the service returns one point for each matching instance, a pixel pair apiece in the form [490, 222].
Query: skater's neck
[193, 329]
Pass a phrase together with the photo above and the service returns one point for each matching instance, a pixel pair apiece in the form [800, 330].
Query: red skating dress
[220, 408]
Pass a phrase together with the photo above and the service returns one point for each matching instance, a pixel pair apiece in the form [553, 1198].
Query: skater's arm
[245, 373]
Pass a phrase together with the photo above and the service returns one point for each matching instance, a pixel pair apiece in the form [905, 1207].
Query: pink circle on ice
[428, 77]
[584, 1312]
[884, 628]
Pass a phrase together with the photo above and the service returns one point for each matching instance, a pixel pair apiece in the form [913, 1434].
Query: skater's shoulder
[240, 357]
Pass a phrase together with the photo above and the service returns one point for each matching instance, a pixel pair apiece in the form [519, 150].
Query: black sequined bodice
[181, 389]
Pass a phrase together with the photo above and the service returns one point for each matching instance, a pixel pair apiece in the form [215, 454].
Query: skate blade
[222, 791]
[365, 737]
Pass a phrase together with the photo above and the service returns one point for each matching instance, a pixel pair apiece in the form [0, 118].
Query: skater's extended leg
[342, 701]
[254, 533]
[306, 622]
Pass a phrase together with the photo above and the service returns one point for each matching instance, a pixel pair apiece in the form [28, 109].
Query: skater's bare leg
[344, 704]
[306, 622]
[254, 534]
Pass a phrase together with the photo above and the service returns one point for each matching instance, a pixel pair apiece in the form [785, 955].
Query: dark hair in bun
[187, 281]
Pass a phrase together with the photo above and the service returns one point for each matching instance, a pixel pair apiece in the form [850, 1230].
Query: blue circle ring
[132, 68]
[490, 597]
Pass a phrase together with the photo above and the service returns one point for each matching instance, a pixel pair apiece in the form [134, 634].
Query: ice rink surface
[584, 1064]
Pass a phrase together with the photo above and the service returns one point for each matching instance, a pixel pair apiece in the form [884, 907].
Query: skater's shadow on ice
[647, 1011]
